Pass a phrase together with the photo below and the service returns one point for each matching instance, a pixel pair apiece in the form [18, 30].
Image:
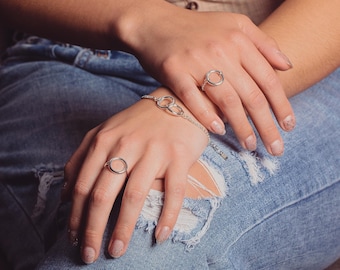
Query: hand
[182, 47]
[155, 145]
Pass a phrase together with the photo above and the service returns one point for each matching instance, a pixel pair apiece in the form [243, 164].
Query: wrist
[133, 26]
[169, 103]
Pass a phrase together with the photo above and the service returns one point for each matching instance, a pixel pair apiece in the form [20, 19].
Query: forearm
[100, 24]
[308, 32]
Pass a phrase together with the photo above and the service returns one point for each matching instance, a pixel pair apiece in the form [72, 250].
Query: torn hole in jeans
[205, 191]
[202, 182]
[47, 176]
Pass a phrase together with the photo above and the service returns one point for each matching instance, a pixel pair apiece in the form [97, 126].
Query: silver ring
[207, 79]
[121, 170]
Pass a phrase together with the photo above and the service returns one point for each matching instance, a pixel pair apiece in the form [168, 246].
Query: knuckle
[123, 230]
[100, 196]
[237, 37]
[256, 100]
[126, 142]
[244, 23]
[203, 113]
[216, 48]
[269, 41]
[179, 150]
[229, 100]
[91, 235]
[129, 142]
[170, 64]
[134, 196]
[270, 131]
[101, 138]
[74, 222]
[272, 81]
[177, 192]
[69, 166]
[243, 19]
[243, 129]
[186, 94]
[81, 189]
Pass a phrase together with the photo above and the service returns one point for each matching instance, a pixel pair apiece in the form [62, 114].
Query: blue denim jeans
[273, 213]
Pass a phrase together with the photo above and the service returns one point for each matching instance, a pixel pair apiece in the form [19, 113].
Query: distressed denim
[272, 213]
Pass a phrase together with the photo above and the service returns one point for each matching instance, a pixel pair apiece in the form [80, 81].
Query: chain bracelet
[168, 103]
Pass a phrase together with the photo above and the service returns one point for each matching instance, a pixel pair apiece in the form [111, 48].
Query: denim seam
[40, 237]
[268, 216]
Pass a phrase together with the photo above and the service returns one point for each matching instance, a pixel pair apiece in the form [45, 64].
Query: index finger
[189, 93]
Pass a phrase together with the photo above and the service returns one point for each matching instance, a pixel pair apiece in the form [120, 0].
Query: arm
[152, 151]
[191, 45]
[309, 33]
[92, 24]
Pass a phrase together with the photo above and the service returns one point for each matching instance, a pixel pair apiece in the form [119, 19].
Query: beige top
[257, 10]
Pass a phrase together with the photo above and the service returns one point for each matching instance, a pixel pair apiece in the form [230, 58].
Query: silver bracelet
[168, 103]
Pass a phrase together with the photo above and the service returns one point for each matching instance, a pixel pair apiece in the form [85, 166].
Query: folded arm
[309, 33]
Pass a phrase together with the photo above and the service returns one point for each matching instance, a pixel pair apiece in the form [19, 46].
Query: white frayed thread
[217, 178]
[187, 220]
[153, 206]
[272, 165]
[253, 163]
[214, 202]
[45, 181]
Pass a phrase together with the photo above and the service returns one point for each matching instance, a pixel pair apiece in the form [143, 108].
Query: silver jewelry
[207, 79]
[168, 103]
[121, 170]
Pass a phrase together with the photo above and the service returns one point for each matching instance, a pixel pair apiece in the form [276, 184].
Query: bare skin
[306, 31]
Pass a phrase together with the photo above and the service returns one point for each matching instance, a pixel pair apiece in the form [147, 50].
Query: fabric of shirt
[257, 10]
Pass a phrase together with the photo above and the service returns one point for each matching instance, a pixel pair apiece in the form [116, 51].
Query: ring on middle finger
[116, 165]
[208, 80]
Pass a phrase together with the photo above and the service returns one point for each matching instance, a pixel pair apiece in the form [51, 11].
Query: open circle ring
[119, 169]
[207, 79]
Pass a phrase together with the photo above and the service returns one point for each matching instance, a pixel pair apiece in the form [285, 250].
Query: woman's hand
[154, 145]
[180, 46]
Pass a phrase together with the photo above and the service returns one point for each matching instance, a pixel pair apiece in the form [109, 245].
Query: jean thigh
[282, 212]
[46, 107]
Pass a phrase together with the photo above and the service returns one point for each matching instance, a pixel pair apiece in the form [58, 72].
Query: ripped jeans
[269, 213]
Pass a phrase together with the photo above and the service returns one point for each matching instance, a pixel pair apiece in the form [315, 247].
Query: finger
[266, 45]
[187, 90]
[88, 174]
[74, 164]
[175, 185]
[268, 81]
[103, 196]
[232, 108]
[258, 109]
[136, 190]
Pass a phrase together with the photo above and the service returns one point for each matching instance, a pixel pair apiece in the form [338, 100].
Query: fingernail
[88, 255]
[285, 58]
[276, 148]
[116, 248]
[217, 128]
[289, 123]
[163, 235]
[73, 237]
[250, 143]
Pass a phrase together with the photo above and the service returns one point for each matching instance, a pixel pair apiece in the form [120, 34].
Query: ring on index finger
[116, 165]
[208, 80]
